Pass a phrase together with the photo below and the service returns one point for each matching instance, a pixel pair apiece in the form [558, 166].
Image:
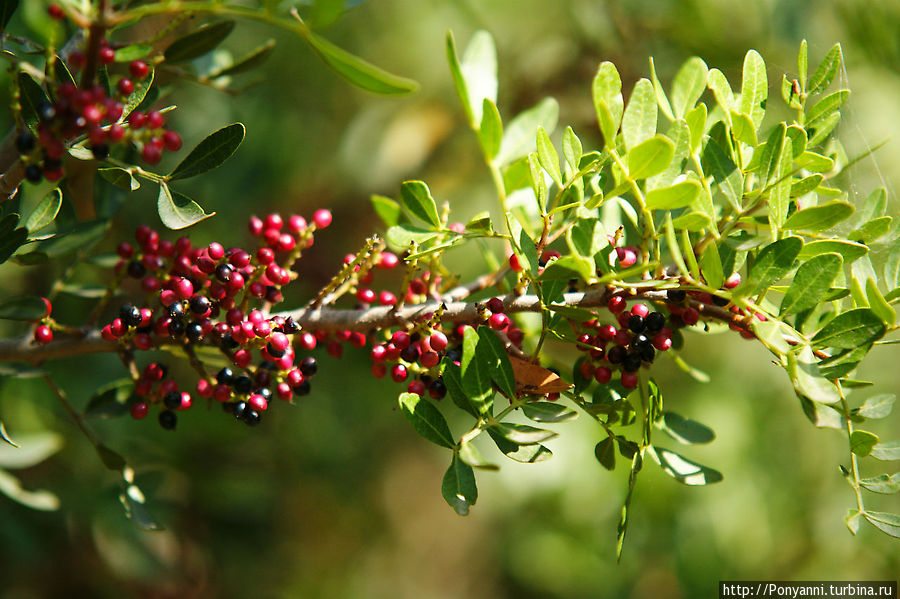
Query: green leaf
[660, 94]
[862, 442]
[548, 157]
[470, 455]
[711, 266]
[773, 262]
[883, 483]
[544, 411]
[754, 87]
[536, 176]
[476, 76]
[688, 86]
[587, 237]
[684, 430]
[811, 283]
[37, 500]
[111, 460]
[490, 132]
[802, 63]
[134, 502]
[814, 162]
[458, 487]
[827, 105]
[826, 70]
[416, 197]
[520, 434]
[111, 400]
[81, 236]
[674, 196]
[806, 185]
[887, 451]
[672, 243]
[493, 354]
[877, 406]
[475, 372]
[682, 469]
[650, 157]
[31, 96]
[718, 83]
[808, 380]
[878, 304]
[725, 172]
[820, 130]
[210, 153]
[526, 454]
[120, 177]
[199, 42]
[780, 194]
[606, 91]
[569, 267]
[848, 250]
[874, 206]
[133, 52]
[572, 150]
[819, 218]
[871, 230]
[528, 254]
[426, 419]
[177, 211]
[399, 237]
[518, 135]
[605, 452]
[387, 209]
[639, 119]
[30, 451]
[852, 521]
[136, 98]
[480, 223]
[26, 307]
[45, 212]
[247, 62]
[850, 329]
[7, 8]
[696, 122]
[743, 128]
[453, 381]
[798, 138]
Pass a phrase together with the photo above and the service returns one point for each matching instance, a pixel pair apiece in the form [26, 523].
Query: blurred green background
[338, 496]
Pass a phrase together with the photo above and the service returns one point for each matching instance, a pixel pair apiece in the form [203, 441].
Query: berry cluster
[94, 116]
[206, 296]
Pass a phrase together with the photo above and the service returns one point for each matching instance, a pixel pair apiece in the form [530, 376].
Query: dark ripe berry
[240, 410]
[33, 173]
[437, 389]
[199, 304]
[243, 384]
[495, 305]
[632, 362]
[136, 269]
[646, 351]
[193, 331]
[175, 328]
[25, 142]
[290, 326]
[455, 354]
[252, 417]
[676, 295]
[175, 310]
[100, 151]
[654, 322]
[719, 301]
[139, 410]
[616, 354]
[274, 351]
[172, 400]
[636, 323]
[46, 112]
[410, 354]
[52, 164]
[639, 339]
[224, 272]
[130, 315]
[168, 419]
[225, 376]
[302, 389]
[308, 366]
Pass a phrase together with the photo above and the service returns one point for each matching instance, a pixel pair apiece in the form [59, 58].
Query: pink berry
[242, 358]
[279, 341]
[641, 310]
[733, 281]
[322, 218]
[627, 256]
[386, 298]
[184, 288]
[258, 402]
[388, 260]
[498, 321]
[365, 295]
[400, 339]
[296, 223]
[399, 373]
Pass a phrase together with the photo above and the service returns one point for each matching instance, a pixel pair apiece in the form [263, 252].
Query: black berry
[225, 376]
[252, 417]
[309, 366]
[224, 272]
[25, 142]
[172, 400]
[243, 384]
[199, 304]
[136, 269]
[676, 295]
[130, 315]
[240, 409]
[636, 323]
[194, 332]
[302, 389]
[616, 354]
[33, 173]
[168, 420]
[631, 362]
[100, 152]
[654, 322]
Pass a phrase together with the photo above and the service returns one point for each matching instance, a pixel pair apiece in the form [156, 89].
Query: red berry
[641, 310]
[274, 221]
[47, 305]
[417, 387]
[629, 380]
[399, 373]
[602, 374]
[606, 332]
[171, 141]
[322, 218]
[388, 260]
[125, 87]
[386, 298]
[437, 341]
[107, 334]
[365, 295]
[151, 154]
[155, 119]
[139, 410]
[296, 223]
[429, 359]
[77, 59]
[400, 339]
[56, 12]
[279, 341]
[515, 335]
[733, 281]
[142, 341]
[136, 120]
[379, 370]
[662, 341]
[242, 358]
[107, 55]
[498, 321]
[115, 133]
[138, 69]
[627, 256]
[378, 353]
[308, 341]
[514, 263]
[690, 316]
[335, 349]
[43, 334]
[616, 304]
[495, 304]
[265, 256]
[184, 288]
[205, 388]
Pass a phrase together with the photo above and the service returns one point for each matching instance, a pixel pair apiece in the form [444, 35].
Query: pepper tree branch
[23, 349]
